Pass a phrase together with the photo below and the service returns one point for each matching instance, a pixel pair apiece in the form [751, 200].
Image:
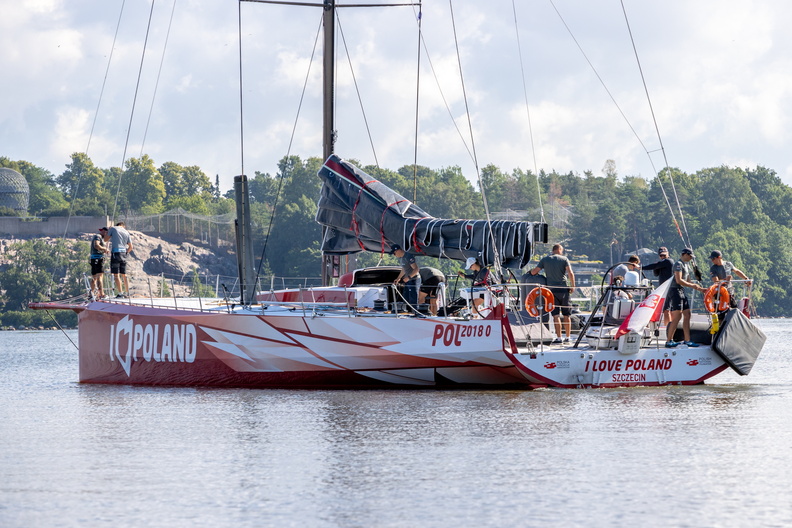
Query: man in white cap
[481, 278]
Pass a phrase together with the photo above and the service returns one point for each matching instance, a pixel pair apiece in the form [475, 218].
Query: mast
[328, 130]
[245, 262]
[328, 127]
[330, 263]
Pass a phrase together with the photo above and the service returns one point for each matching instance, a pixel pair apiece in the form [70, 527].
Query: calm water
[82, 455]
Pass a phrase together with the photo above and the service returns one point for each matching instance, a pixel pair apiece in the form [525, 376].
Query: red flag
[650, 309]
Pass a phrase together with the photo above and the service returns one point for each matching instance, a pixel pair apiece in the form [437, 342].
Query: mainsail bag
[362, 214]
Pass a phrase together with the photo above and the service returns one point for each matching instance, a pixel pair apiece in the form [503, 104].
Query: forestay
[362, 214]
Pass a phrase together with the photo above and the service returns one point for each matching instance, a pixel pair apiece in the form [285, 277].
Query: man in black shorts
[431, 279]
[98, 250]
[561, 281]
[678, 303]
[121, 246]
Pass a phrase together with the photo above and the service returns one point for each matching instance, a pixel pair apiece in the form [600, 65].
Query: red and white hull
[589, 367]
[129, 344]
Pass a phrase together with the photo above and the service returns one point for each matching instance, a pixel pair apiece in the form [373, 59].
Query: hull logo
[129, 342]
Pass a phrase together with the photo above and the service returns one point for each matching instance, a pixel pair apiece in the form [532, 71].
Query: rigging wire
[659, 138]
[132, 113]
[417, 99]
[357, 90]
[638, 138]
[93, 125]
[288, 153]
[80, 172]
[440, 89]
[159, 74]
[104, 81]
[528, 112]
[473, 145]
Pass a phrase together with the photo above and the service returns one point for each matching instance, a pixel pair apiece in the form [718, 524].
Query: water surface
[93, 455]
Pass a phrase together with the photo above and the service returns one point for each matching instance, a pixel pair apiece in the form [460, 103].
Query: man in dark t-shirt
[431, 279]
[561, 281]
[723, 270]
[678, 302]
[663, 270]
[98, 250]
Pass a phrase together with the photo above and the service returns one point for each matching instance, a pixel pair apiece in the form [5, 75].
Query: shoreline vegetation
[744, 212]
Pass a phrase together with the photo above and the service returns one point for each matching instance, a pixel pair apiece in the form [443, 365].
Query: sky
[556, 87]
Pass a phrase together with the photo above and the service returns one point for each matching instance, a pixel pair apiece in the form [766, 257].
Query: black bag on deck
[739, 342]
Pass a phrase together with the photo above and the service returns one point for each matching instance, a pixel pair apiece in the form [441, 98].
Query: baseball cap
[688, 251]
[470, 261]
[715, 254]
[102, 228]
[393, 248]
[661, 250]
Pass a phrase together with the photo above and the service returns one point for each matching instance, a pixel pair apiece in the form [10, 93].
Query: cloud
[716, 72]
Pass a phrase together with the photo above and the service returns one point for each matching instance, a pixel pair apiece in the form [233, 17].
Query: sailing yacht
[362, 335]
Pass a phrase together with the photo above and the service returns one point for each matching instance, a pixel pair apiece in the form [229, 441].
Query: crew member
[409, 275]
[121, 244]
[561, 281]
[723, 270]
[98, 250]
[431, 279]
[677, 300]
[481, 278]
[663, 269]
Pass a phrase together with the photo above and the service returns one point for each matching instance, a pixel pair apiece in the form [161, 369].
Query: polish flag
[650, 309]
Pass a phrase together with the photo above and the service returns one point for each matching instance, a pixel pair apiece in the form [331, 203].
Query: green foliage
[41, 271]
[7, 211]
[185, 182]
[163, 290]
[38, 318]
[143, 185]
[746, 213]
[194, 204]
[45, 198]
[198, 288]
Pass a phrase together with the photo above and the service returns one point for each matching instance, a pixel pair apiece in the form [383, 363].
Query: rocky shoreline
[156, 258]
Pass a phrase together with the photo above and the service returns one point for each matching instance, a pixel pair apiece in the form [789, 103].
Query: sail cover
[362, 214]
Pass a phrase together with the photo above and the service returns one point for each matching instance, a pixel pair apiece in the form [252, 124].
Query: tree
[774, 196]
[143, 185]
[45, 197]
[496, 188]
[43, 270]
[194, 204]
[198, 288]
[172, 179]
[81, 179]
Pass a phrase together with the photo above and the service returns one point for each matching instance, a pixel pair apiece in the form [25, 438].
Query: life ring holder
[717, 298]
[547, 301]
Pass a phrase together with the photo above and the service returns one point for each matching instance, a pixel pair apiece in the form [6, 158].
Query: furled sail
[362, 214]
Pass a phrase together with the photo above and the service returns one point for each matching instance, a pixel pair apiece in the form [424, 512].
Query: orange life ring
[719, 292]
[547, 300]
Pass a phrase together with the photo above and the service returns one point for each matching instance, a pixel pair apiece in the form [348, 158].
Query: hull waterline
[133, 344]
